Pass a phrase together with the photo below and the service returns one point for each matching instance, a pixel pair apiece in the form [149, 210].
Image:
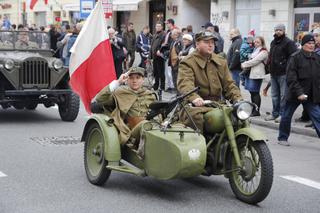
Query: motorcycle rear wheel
[94, 159]
[253, 182]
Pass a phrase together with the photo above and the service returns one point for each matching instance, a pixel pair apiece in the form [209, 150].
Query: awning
[125, 5]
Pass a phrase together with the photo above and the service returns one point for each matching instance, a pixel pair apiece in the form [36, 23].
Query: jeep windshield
[24, 40]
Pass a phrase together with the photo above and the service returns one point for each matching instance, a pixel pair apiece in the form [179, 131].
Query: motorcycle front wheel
[253, 182]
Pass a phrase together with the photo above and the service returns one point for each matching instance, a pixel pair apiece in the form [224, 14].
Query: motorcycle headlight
[57, 64]
[9, 64]
[244, 110]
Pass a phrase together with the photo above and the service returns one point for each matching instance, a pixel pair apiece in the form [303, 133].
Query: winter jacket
[245, 50]
[186, 51]
[303, 76]
[143, 43]
[257, 63]
[156, 43]
[177, 47]
[280, 50]
[233, 55]
[117, 46]
[129, 40]
[219, 44]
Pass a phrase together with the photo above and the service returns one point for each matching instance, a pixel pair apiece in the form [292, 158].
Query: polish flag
[91, 63]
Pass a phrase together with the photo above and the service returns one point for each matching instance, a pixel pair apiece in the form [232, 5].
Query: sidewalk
[266, 107]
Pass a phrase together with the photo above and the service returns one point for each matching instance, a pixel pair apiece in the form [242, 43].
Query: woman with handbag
[256, 63]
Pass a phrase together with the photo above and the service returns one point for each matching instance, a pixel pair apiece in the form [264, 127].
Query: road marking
[302, 180]
[2, 174]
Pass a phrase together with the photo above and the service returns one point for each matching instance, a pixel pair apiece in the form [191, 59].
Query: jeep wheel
[31, 106]
[69, 109]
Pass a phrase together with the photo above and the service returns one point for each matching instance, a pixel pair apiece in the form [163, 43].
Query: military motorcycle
[170, 150]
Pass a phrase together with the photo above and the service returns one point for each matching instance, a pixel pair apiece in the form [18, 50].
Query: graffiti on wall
[217, 18]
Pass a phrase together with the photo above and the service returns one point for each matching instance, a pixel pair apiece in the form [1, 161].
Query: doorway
[157, 13]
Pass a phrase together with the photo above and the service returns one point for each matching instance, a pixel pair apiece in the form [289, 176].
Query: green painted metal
[131, 156]
[112, 150]
[214, 121]
[231, 135]
[94, 151]
[174, 154]
[127, 169]
[253, 134]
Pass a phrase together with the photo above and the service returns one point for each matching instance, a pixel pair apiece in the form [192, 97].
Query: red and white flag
[91, 63]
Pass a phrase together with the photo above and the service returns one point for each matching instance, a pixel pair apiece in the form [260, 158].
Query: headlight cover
[9, 64]
[57, 64]
[244, 110]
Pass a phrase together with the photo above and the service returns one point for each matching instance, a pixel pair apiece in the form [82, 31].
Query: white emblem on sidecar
[194, 154]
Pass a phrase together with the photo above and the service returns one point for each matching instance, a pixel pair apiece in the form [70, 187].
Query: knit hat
[280, 27]
[306, 39]
[316, 31]
[187, 37]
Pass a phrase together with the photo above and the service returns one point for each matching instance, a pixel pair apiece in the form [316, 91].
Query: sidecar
[174, 152]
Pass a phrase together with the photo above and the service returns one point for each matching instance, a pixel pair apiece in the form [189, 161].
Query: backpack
[266, 65]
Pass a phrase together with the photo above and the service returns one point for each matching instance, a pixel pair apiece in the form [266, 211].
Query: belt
[133, 121]
[212, 98]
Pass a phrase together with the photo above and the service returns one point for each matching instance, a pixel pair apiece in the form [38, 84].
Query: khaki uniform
[125, 105]
[26, 45]
[214, 79]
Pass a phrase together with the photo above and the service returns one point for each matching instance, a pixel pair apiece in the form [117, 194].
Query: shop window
[306, 3]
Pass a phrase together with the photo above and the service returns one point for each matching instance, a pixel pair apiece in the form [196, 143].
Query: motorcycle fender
[253, 134]
[112, 149]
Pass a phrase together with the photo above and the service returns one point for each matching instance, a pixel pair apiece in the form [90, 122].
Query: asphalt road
[41, 170]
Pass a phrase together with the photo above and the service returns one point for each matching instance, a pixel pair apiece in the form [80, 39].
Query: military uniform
[214, 79]
[127, 107]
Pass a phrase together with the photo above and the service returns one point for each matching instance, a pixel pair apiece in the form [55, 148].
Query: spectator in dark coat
[129, 40]
[280, 50]
[118, 51]
[303, 79]
[233, 55]
[54, 35]
[158, 60]
[175, 48]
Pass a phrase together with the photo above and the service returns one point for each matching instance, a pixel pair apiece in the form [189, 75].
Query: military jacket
[211, 75]
[124, 102]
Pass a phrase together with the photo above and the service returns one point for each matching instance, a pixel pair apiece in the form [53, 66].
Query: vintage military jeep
[30, 75]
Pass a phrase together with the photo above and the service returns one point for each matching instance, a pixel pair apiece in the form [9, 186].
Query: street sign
[107, 7]
[86, 6]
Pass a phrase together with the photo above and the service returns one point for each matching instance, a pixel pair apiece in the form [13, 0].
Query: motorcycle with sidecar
[229, 146]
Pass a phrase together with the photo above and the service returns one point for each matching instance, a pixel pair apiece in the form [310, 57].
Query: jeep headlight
[243, 110]
[9, 64]
[57, 64]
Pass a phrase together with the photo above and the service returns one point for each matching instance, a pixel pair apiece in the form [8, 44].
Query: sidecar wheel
[94, 159]
[253, 182]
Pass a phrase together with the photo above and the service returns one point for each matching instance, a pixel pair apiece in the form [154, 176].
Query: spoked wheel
[253, 182]
[94, 159]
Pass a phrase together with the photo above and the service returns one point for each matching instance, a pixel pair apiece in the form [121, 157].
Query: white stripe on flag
[2, 174]
[93, 32]
[303, 181]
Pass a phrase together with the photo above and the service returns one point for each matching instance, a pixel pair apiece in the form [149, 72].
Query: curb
[294, 129]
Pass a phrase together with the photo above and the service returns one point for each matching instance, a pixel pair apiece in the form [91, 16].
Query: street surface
[41, 170]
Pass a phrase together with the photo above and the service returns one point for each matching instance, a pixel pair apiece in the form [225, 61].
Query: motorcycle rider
[209, 71]
[127, 104]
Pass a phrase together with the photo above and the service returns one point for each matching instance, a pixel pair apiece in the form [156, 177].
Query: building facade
[262, 15]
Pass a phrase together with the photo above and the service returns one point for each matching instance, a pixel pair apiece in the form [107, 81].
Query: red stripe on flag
[32, 3]
[94, 73]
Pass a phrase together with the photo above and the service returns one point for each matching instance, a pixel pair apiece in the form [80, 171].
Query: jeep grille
[35, 74]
